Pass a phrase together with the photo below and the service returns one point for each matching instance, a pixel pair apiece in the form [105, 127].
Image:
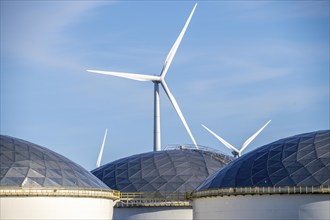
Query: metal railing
[124, 199]
[262, 190]
[56, 192]
[219, 155]
[131, 199]
[193, 147]
[134, 199]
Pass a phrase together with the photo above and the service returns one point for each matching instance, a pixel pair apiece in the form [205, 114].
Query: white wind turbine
[98, 162]
[235, 151]
[159, 79]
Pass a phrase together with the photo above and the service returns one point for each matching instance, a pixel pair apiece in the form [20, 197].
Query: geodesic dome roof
[161, 171]
[24, 164]
[301, 160]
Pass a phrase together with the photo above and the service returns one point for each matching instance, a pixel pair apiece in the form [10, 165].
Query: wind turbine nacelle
[235, 154]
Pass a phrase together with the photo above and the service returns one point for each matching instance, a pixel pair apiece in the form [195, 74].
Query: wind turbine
[235, 151]
[159, 79]
[98, 162]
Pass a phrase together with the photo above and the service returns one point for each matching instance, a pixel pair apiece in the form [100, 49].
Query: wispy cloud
[265, 11]
[32, 31]
[261, 104]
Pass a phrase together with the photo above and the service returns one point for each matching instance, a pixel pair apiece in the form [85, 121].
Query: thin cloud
[31, 31]
[285, 100]
[267, 11]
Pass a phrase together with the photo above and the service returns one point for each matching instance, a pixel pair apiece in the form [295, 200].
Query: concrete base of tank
[307, 206]
[160, 212]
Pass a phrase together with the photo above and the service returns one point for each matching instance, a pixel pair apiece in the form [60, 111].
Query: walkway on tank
[136, 199]
[59, 192]
[124, 199]
[133, 199]
[262, 190]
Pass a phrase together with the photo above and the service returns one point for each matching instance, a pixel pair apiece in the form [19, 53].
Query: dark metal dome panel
[161, 171]
[301, 160]
[24, 164]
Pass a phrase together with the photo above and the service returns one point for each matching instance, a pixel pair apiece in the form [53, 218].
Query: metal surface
[24, 164]
[262, 191]
[134, 199]
[179, 170]
[157, 136]
[56, 192]
[300, 160]
[263, 207]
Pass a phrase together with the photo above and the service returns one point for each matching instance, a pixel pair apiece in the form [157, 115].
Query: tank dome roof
[24, 164]
[301, 160]
[179, 170]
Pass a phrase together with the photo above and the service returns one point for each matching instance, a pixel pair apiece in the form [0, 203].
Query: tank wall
[55, 208]
[145, 213]
[311, 206]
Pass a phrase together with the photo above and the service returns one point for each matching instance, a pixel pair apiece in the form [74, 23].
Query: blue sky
[239, 64]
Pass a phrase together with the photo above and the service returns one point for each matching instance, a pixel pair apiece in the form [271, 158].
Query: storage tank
[37, 183]
[286, 179]
[154, 185]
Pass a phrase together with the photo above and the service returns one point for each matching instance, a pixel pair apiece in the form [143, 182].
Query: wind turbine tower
[159, 79]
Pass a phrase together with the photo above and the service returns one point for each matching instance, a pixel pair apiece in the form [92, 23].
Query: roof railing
[6, 191]
[210, 150]
[262, 190]
[131, 199]
[136, 199]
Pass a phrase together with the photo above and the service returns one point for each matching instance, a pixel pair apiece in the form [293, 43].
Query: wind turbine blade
[248, 141]
[177, 109]
[229, 146]
[174, 48]
[138, 77]
[98, 162]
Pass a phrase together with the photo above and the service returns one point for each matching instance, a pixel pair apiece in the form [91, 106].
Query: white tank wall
[55, 208]
[145, 213]
[312, 206]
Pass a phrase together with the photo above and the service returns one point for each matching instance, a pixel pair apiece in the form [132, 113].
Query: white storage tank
[286, 179]
[37, 183]
[154, 185]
